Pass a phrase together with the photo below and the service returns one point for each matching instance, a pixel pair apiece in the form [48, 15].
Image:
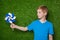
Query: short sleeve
[30, 26]
[51, 31]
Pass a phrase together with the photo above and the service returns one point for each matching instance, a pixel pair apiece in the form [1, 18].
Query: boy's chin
[39, 18]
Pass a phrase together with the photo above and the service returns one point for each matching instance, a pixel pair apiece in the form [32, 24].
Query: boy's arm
[50, 37]
[18, 27]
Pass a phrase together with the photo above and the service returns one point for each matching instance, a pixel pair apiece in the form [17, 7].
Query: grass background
[25, 11]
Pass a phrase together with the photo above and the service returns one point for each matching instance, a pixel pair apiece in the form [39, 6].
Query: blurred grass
[25, 11]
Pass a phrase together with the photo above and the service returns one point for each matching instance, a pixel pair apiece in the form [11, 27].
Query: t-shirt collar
[42, 22]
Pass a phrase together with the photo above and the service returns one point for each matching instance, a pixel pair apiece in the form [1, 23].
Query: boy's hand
[13, 26]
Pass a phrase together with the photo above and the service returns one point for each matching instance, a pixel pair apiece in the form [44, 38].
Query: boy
[43, 29]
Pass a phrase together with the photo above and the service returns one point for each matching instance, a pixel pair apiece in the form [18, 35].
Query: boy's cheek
[39, 15]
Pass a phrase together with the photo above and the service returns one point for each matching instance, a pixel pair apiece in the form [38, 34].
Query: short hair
[43, 8]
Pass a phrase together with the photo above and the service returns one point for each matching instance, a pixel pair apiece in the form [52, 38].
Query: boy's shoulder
[34, 21]
[49, 22]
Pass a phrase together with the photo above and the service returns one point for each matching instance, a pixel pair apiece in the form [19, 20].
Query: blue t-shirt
[41, 30]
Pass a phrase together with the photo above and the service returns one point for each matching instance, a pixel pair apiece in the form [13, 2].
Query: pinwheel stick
[12, 28]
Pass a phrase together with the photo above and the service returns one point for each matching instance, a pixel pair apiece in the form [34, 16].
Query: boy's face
[41, 14]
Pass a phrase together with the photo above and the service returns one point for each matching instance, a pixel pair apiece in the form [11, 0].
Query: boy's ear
[45, 13]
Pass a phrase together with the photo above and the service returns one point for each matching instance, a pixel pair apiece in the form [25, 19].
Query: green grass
[25, 11]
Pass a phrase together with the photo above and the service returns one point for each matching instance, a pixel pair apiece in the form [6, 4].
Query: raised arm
[18, 27]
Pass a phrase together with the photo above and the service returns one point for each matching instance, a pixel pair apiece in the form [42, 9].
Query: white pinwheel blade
[9, 21]
[6, 17]
[13, 18]
[10, 14]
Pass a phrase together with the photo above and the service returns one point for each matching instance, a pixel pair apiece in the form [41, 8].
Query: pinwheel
[10, 18]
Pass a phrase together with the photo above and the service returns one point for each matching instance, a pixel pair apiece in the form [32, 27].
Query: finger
[11, 26]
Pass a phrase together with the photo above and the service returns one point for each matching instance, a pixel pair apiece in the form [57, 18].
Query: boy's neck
[43, 20]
